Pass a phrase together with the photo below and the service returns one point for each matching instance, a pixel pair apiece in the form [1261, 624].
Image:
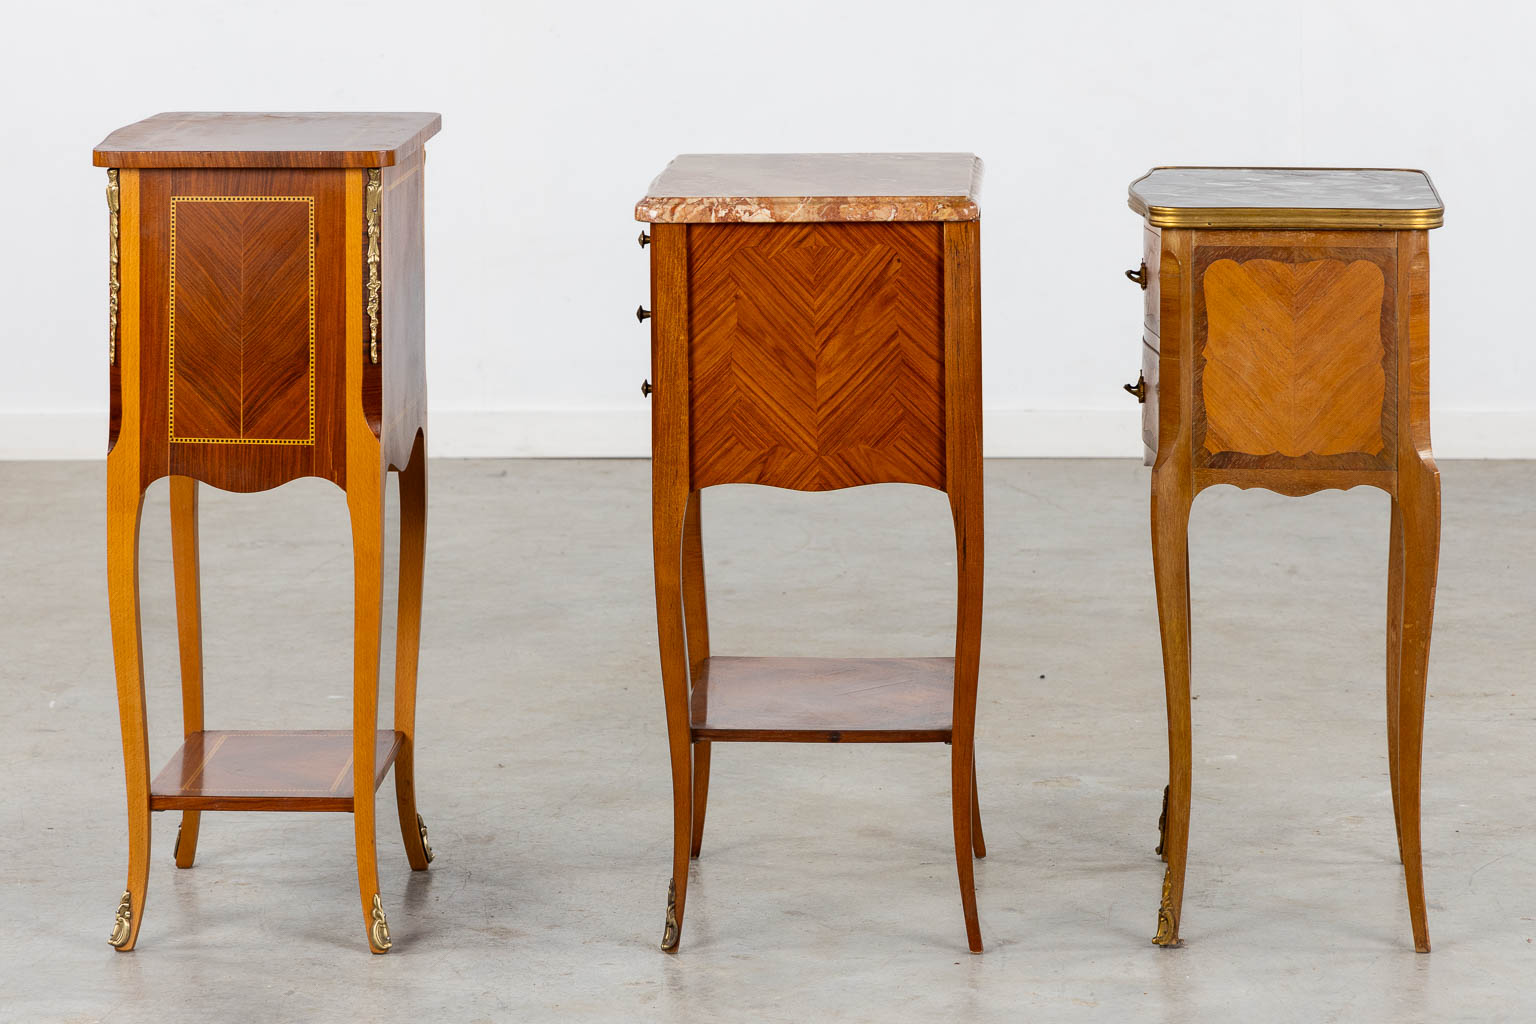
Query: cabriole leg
[189, 633]
[125, 502]
[365, 500]
[413, 549]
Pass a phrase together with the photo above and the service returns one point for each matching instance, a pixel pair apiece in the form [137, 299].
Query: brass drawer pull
[1139, 275]
[642, 314]
[645, 239]
[645, 388]
[1139, 389]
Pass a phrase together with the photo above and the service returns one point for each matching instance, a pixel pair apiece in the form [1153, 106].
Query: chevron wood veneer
[1293, 357]
[817, 354]
[242, 319]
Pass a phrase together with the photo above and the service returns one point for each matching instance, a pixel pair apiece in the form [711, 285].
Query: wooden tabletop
[267, 140]
[1286, 197]
[711, 188]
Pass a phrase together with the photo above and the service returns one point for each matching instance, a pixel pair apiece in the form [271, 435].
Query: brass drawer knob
[645, 388]
[642, 314]
[1139, 389]
[645, 239]
[1139, 275]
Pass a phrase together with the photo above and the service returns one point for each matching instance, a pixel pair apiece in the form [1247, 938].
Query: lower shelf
[254, 770]
[824, 700]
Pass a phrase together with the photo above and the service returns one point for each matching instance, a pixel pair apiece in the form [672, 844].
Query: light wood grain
[125, 501]
[1293, 356]
[365, 504]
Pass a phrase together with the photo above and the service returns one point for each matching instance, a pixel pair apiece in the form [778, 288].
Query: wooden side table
[267, 324]
[1286, 346]
[816, 325]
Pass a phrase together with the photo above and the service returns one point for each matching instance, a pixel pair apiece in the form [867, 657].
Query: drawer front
[1151, 258]
[816, 354]
[243, 325]
[1153, 400]
[1295, 355]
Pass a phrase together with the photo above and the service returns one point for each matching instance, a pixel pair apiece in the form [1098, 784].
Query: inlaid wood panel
[823, 700]
[1295, 358]
[816, 354]
[265, 770]
[242, 319]
[243, 325]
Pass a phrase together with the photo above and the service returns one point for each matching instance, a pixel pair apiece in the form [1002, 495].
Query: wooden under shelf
[824, 700]
[258, 770]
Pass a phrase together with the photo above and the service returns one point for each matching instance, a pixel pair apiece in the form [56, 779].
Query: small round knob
[645, 239]
[1139, 275]
[642, 314]
[645, 388]
[1139, 389]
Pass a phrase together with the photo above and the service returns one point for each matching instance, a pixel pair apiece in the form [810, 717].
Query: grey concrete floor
[827, 888]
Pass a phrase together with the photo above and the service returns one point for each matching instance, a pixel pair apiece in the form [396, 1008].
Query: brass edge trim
[371, 196]
[1298, 217]
[171, 344]
[114, 281]
[1295, 218]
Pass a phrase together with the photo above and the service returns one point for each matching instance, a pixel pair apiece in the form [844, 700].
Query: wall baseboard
[625, 433]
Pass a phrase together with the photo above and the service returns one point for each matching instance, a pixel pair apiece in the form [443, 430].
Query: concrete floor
[827, 886]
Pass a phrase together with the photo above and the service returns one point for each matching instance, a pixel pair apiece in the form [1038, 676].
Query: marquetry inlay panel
[1294, 357]
[242, 319]
[817, 354]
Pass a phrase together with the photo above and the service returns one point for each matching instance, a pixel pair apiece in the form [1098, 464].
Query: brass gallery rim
[1289, 217]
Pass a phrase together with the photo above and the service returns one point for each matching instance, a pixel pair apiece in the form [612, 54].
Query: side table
[1286, 346]
[815, 324]
[266, 324]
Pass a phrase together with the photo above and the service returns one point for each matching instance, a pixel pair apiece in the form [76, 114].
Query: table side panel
[816, 354]
[403, 318]
[1294, 350]
[242, 336]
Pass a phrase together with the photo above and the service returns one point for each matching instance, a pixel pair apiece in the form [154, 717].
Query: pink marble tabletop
[729, 188]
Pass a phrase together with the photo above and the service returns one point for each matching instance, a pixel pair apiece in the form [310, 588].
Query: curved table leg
[1419, 499]
[1394, 658]
[365, 501]
[668, 512]
[968, 549]
[125, 502]
[696, 621]
[189, 634]
[978, 841]
[1171, 500]
[413, 550]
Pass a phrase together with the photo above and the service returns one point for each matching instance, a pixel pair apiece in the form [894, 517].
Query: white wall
[557, 114]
